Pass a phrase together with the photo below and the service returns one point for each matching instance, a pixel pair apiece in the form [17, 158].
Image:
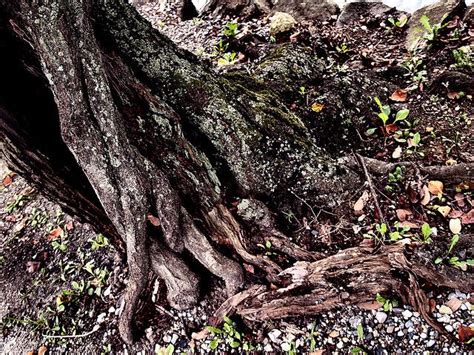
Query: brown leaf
[153, 220]
[465, 333]
[399, 95]
[403, 214]
[454, 304]
[468, 218]
[200, 335]
[32, 266]
[435, 187]
[426, 195]
[432, 303]
[317, 107]
[360, 204]
[56, 232]
[453, 95]
[42, 350]
[412, 225]
[455, 214]
[7, 180]
[391, 128]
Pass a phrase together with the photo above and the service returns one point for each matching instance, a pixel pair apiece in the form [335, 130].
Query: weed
[19, 201]
[454, 260]
[414, 65]
[399, 22]
[385, 113]
[343, 48]
[387, 303]
[98, 242]
[432, 31]
[360, 332]
[463, 57]
[267, 248]
[227, 59]
[231, 29]
[229, 335]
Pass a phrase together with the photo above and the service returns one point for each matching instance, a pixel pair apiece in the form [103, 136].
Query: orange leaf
[317, 107]
[426, 196]
[403, 214]
[42, 350]
[453, 95]
[465, 333]
[399, 95]
[435, 187]
[7, 180]
[153, 220]
[56, 232]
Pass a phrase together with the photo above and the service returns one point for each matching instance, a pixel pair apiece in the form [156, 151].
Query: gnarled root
[181, 282]
[352, 276]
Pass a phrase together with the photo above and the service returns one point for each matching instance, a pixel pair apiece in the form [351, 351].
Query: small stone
[268, 348]
[407, 314]
[274, 335]
[449, 328]
[101, 318]
[381, 317]
[444, 319]
[174, 338]
[423, 335]
[445, 310]
[408, 324]
[410, 330]
[285, 347]
[430, 343]
[167, 338]
[390, 329]
[340, 345]
[334, 334]
[454, 304]
[400, 333]
[281, 22]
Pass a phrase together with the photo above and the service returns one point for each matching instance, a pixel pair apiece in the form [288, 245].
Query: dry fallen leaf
[402, 214]
[453, 95]
[391, 128]
[200, 335]
[153, 220]
[360, 204]
[399, 95]
[465, 333]
[426, 195]
[468, 218]
[317, 107]
[7, 180]
[397, 153]
[454, 304]
[455, 225]
[42, 350]
[444, 210]
[32, 266]
[435, 187]
[56, 232]
[412, 225]
[372, 305]
[455, 214]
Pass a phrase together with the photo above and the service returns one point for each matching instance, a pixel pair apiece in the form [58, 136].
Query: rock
[334, 334]
[268, 348]
[435, 13]
[407, 314]
[101, 317]
[381, 317]
[274, 335]
[281, 22]
[285, 347]
[454, 304]
[430, 343]
[449, 328]
[390, 329]
[340, 345]
[353, 12]
[308, 10]
[445, 310]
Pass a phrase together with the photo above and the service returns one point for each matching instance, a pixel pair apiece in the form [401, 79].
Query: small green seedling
[229, 335]
[227, 59]
[360, 332]
[343, 48]
[454, 260]
[99, 242]
[426, 232]
[387, 303]
[231, 29]
[463, 57]
[432, 31]
[400, 22]
[385, 113]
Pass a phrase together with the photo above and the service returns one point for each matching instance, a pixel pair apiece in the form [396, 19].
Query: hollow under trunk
[121, 125]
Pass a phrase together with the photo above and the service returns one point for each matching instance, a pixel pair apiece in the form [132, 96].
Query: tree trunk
[110, 118]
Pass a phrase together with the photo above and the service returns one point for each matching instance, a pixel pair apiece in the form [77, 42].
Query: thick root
[181, 282]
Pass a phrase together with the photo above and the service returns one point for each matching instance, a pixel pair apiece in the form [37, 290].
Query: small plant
[37, 218]
[394, 178]
[169, 350]
[19, 201]
[387, 303]
[229, 335]
[432, 31]
[312, 340]
[99, 242]
[60, 244]
[357, 350]
[463, 57]
[415, 68]
[384, 115]
[400, 22]
[342, 48]
[454, 260]
[227, 59]
[267, 248]
[426, 232]
[360, 332]
[231, 29]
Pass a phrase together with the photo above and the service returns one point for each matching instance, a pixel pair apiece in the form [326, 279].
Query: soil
[60, 278]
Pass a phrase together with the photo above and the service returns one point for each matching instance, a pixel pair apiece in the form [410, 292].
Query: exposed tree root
[351, 276]
[455, 173]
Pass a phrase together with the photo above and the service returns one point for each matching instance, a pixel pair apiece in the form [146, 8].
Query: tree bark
[121, 124]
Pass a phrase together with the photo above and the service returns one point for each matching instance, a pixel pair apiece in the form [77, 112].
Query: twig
[96, 328]
[371, 187]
